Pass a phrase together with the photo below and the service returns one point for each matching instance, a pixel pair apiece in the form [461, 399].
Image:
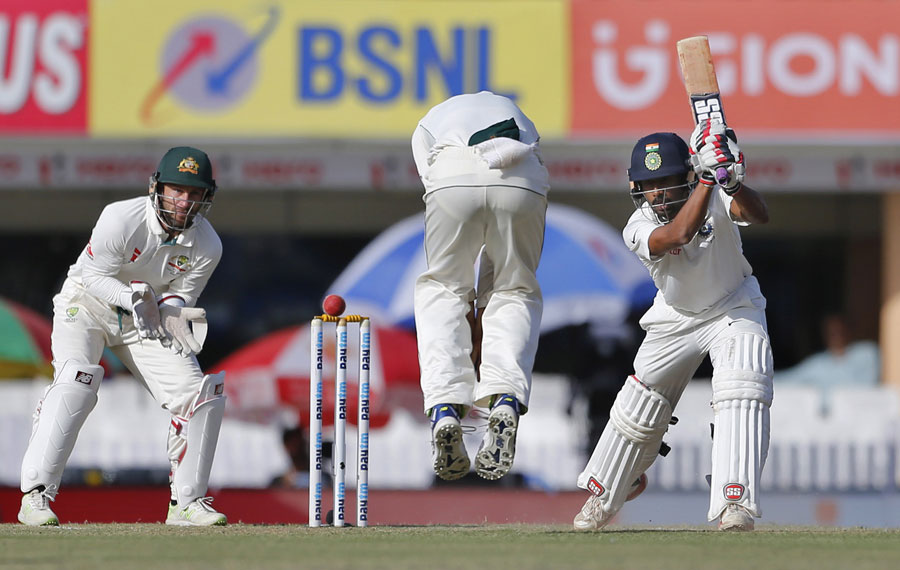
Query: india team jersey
[128, 243]
[701, 273]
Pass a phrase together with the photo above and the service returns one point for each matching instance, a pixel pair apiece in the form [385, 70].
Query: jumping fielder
[708, 302]
[485, 185]
[133, 289]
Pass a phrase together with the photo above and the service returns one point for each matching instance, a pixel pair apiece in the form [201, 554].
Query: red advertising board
[43, 66]
[789, 69]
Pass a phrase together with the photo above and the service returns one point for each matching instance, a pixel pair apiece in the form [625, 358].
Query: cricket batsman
[685, 231]
[134, 289]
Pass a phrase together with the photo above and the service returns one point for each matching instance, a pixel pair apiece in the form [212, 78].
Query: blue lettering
[393, 79]
[483, 66]
[427, 56]
[386, 65]
[320, 56]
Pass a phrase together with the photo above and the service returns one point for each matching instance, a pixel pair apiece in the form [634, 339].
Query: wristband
[733, 190]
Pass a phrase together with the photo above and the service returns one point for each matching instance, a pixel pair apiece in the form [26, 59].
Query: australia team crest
[178, 264]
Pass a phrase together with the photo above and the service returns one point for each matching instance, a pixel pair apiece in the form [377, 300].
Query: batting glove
[713, 147]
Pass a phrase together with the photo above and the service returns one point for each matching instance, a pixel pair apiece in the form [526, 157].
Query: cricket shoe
[36, 510]
[592, 516]
[736, 518]
[498, 448]
[451, 462]
[198, 512]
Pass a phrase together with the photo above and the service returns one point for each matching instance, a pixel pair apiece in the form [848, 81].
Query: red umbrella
[272, 373]
[24, 342]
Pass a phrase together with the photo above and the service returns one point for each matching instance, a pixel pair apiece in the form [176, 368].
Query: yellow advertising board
[358, 69]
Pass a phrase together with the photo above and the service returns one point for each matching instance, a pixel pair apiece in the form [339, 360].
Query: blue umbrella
[587, 275]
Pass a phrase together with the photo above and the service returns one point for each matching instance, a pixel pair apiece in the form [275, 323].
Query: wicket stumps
[339, 449]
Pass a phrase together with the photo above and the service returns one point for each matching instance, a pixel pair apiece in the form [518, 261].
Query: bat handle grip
[722, 175]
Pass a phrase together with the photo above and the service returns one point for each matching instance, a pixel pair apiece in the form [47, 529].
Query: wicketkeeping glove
[145, 311]
[175, 321]
[713, 147]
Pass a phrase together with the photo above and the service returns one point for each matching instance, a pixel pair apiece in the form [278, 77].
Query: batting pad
[629, 444]
[742, 395]
[58, 419]
[191, 477]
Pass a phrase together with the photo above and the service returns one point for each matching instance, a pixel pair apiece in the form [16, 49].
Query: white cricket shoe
[36, 510]
[451, 462]
[498, 448]
[198, 512]
[592, 515]
[736, 518]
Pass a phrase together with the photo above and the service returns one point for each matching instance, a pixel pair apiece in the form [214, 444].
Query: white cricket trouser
[738, 345]
[509, 222]
[669, 356]
[83, 326]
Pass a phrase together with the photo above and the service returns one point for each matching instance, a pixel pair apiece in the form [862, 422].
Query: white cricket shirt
[440, 145]
[702, 273]
[128, 244]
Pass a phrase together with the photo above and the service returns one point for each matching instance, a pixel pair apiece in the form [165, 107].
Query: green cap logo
[188, 166]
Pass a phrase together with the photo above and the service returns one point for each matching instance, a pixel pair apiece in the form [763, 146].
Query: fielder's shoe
[498, 448]
[736, 518]
[198, 512]
[451, 461]
[36, 511]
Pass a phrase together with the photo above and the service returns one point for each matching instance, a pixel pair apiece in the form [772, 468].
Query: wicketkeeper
[134, 289]
[685, 230]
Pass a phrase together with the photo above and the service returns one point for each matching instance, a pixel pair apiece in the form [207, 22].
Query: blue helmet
[654, 156]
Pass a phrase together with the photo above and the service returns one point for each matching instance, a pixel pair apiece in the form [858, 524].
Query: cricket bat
[701, 85]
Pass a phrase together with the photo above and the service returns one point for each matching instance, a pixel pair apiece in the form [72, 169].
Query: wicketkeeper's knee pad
[199, 432]
[629, 444]
[742, 395]
[57, 420]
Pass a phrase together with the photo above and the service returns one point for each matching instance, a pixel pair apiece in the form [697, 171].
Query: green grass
[512, 547]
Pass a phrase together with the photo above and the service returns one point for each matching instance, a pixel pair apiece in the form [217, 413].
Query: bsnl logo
[214, 62]
[329, 56]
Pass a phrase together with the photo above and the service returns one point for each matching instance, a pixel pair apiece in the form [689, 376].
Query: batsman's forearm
[688, 221]
[684, 227]
[752, 205]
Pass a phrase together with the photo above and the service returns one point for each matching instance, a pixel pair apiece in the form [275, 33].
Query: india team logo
[208, 64]
[653, 161]
[595, 487]
[734, 492]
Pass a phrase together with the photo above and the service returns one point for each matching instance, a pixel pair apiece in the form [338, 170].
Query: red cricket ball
[334, 305]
